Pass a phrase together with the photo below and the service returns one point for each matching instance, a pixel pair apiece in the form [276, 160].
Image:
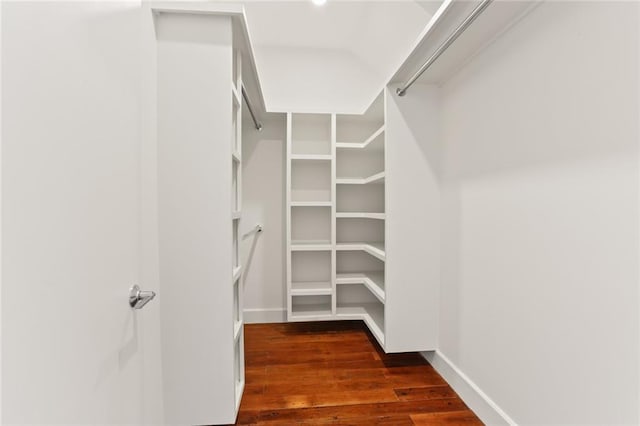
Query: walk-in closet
[320, 212]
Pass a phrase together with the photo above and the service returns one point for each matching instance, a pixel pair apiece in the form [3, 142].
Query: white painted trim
[261, 316]
[484, 407]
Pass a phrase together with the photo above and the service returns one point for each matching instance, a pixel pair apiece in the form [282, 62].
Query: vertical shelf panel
[310, 222]
[236, 194]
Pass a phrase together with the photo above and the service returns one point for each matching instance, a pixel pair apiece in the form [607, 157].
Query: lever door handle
[139, 298]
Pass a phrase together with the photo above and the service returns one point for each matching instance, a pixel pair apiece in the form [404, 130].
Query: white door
[71, 346]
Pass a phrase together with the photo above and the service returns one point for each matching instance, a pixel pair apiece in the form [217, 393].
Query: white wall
[304, 79]
[263, 180]
[73, 350]
[540, 241]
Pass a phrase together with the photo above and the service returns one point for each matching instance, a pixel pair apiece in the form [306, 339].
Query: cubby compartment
[357, 267]
[357, 302]
[360, 198]
[311, 224]
[310, 181]
[310, 266]
[354, 230]
[311, 134]
[311, 307]
[358, 164]
[358, 129]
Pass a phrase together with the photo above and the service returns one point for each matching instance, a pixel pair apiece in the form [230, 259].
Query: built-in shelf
[361, 145]
[301, 245]
[371, 313]
[312, 157]
[237, 272]
[374, 281]
[363, 215]
[374, 249]
[311, 204]
[377, 178]
[311, 307]
[311, 312]
[312, 288]
[237, 329]
[236, 156]
[236, 96]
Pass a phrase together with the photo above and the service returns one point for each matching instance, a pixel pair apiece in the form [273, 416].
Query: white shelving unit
[236, 214]
[204, 79]
[336, 217]
[310, 216]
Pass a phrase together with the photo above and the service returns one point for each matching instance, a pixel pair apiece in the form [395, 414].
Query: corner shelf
[377, 178]
[371, 313]
[310, 203]
[374, 249]
[311, 157]
[302, 245]
[311, 288]
[236, 156]
[374, 281]
[361, 215]
[362, 145]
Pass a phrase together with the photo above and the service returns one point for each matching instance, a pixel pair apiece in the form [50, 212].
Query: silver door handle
[139, 298]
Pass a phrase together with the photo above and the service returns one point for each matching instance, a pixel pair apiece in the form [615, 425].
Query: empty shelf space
[311, 288]
[311, 203]
[374, 281]
[310, 312]
[360, 198]
[311, 157]
[374, 249]
[377, 178]
[310, 307]
[377, 135]
[311, 181]
[359, 215]
[310, 134]
[303, 245]
[371, 313]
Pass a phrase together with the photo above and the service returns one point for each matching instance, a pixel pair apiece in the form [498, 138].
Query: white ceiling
[376, 35]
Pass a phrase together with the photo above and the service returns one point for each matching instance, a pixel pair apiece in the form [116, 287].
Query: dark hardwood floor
[336, 373]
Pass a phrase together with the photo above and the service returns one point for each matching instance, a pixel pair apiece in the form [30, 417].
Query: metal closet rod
[401, 91]
[253, 114]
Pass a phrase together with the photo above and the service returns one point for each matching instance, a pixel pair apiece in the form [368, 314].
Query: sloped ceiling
[334, 57]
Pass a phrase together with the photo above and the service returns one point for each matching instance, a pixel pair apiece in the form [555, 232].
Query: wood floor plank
[427, 392]
[465, 417]
[336, 373]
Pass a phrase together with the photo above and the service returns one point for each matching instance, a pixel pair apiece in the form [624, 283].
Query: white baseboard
[263, 316]
[484, 407]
